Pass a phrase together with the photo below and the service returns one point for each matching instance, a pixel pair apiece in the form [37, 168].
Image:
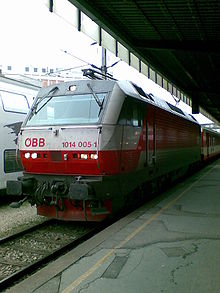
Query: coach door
[151, 137]
[207, 142]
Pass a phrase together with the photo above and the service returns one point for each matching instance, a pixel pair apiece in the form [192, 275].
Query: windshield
[71, 109]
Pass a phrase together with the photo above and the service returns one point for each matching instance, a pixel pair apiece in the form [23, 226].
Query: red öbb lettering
[27, 142]
[34, 142]
[41, 142]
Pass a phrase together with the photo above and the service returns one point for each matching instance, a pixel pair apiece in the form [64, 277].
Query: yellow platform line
[95, 267]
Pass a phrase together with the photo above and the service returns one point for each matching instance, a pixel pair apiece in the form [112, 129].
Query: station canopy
[176, 41]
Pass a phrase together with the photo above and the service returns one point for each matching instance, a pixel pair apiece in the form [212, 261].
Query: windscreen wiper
[34, 107]
[95, 96]
[54, 89]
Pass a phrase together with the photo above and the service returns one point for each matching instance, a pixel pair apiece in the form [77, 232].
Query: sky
[31, 35]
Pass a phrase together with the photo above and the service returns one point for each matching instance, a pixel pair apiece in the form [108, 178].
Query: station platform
[171, 244]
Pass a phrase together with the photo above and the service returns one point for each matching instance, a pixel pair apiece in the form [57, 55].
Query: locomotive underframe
[57, 191]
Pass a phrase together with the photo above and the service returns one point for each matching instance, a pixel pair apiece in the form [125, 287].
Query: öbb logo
[34, 142]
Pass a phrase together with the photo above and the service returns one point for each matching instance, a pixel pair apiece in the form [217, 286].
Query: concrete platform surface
[171, 244]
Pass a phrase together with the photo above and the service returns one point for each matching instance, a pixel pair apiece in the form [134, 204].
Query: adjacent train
[90, 147]
[15, 99]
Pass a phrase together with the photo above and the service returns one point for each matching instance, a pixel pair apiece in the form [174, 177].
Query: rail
[25, 252]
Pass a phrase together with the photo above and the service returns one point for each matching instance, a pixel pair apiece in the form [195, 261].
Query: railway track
[23, 253]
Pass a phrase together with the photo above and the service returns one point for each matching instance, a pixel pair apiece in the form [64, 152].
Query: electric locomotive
[88, 147]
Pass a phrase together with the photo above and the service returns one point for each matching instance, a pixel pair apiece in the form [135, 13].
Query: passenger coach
[15, 99]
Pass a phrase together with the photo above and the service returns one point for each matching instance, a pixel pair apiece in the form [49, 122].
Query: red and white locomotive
[87, 146]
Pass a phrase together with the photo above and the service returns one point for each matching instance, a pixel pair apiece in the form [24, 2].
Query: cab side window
[132, 113]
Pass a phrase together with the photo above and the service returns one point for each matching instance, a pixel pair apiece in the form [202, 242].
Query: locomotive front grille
[56, 156]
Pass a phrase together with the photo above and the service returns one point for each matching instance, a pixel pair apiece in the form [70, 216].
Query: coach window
[13, 102]
[12, 162]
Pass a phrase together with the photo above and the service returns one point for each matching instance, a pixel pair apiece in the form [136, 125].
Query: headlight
[27, 155]
[84, 156]
[34, 156]
[94, 156]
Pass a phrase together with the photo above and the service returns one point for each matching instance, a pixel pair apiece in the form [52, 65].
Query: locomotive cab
[63, 150]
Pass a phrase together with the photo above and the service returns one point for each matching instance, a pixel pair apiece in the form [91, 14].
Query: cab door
[151, 137]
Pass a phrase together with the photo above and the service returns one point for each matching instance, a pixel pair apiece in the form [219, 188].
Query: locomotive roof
[67, 88]
[128, 87]
[135, 91]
